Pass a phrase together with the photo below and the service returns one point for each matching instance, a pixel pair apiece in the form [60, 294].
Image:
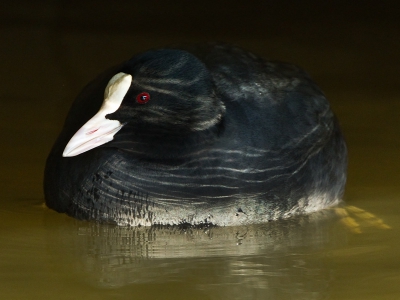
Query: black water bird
[203, 134]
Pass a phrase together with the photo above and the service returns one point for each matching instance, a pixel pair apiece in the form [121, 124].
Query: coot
[206, 134]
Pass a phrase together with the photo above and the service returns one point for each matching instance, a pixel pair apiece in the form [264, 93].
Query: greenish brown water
[51, 50]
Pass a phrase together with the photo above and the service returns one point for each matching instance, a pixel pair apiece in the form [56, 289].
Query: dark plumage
[225, 138]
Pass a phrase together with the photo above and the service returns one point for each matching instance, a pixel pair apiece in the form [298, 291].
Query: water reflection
[279, 260]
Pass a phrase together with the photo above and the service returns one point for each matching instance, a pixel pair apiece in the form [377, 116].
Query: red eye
[143, 98]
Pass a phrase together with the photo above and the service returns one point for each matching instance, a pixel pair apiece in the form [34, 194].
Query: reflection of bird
[208, 134]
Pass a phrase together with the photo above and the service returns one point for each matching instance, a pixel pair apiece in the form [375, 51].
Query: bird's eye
[143, 98]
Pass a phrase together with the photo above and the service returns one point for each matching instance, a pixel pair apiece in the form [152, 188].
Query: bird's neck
[165, 145]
